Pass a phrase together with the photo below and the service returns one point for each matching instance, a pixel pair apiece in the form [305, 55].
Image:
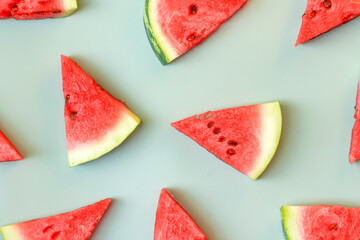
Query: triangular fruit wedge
[36, 9]
[355, 138]
[323, 15]
[77, 225]
[320, 222]
[96, 122]
[7, 151]
[173, 222]
[246, 138]
[174, 27]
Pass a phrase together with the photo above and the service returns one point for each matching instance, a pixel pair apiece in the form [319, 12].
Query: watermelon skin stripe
[126, 125]
[161, 47]
[155, 45]
[174, 27]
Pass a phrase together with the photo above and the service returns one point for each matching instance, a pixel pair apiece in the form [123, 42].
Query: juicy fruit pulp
[174, 27]
[246, 138]
[7, 151]
[323, 15]
[75, 225]
[321, 222]
[96, 122]
[36, 9]
[173, 222]
[355, 138]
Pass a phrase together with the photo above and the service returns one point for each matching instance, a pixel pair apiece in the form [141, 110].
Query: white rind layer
[291, 224]
[270, 136]
[10, 233]
[126, 125]
[165, 45]
[70, 7]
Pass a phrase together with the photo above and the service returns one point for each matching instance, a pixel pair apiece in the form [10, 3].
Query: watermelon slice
[323, 15]
[246, 138]
[321, 222]
[75, 225]
[173, 222]
[96, 122]
[7, 151]
[36, 9]
[355, 138]
[174, 27]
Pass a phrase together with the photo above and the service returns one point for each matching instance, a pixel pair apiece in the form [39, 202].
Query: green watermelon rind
[10, 233]
[290, 222]
[126, 125]
[272, 124]
[70, 7]
[154, 35]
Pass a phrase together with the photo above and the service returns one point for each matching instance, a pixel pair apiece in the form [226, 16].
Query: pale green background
[250, 59]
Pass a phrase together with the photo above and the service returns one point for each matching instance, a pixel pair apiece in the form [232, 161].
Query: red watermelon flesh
[7, 151]
[355, 138]
[357, 106]
[173, 222]
[36, 9]
[321, 222]
[246, 138]
[75, 225]
[181, 22]
[96, 122]
[323, 15]
[174, 27]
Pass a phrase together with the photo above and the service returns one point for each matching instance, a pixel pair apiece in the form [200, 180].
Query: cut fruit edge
[355, 4]
[157, 39]
[357, 105]
[352, 154]
[16, 156]
[11, 232]
[88, 152]
[290, 222]
[172, 208]
[270, 138]
[70, 7]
